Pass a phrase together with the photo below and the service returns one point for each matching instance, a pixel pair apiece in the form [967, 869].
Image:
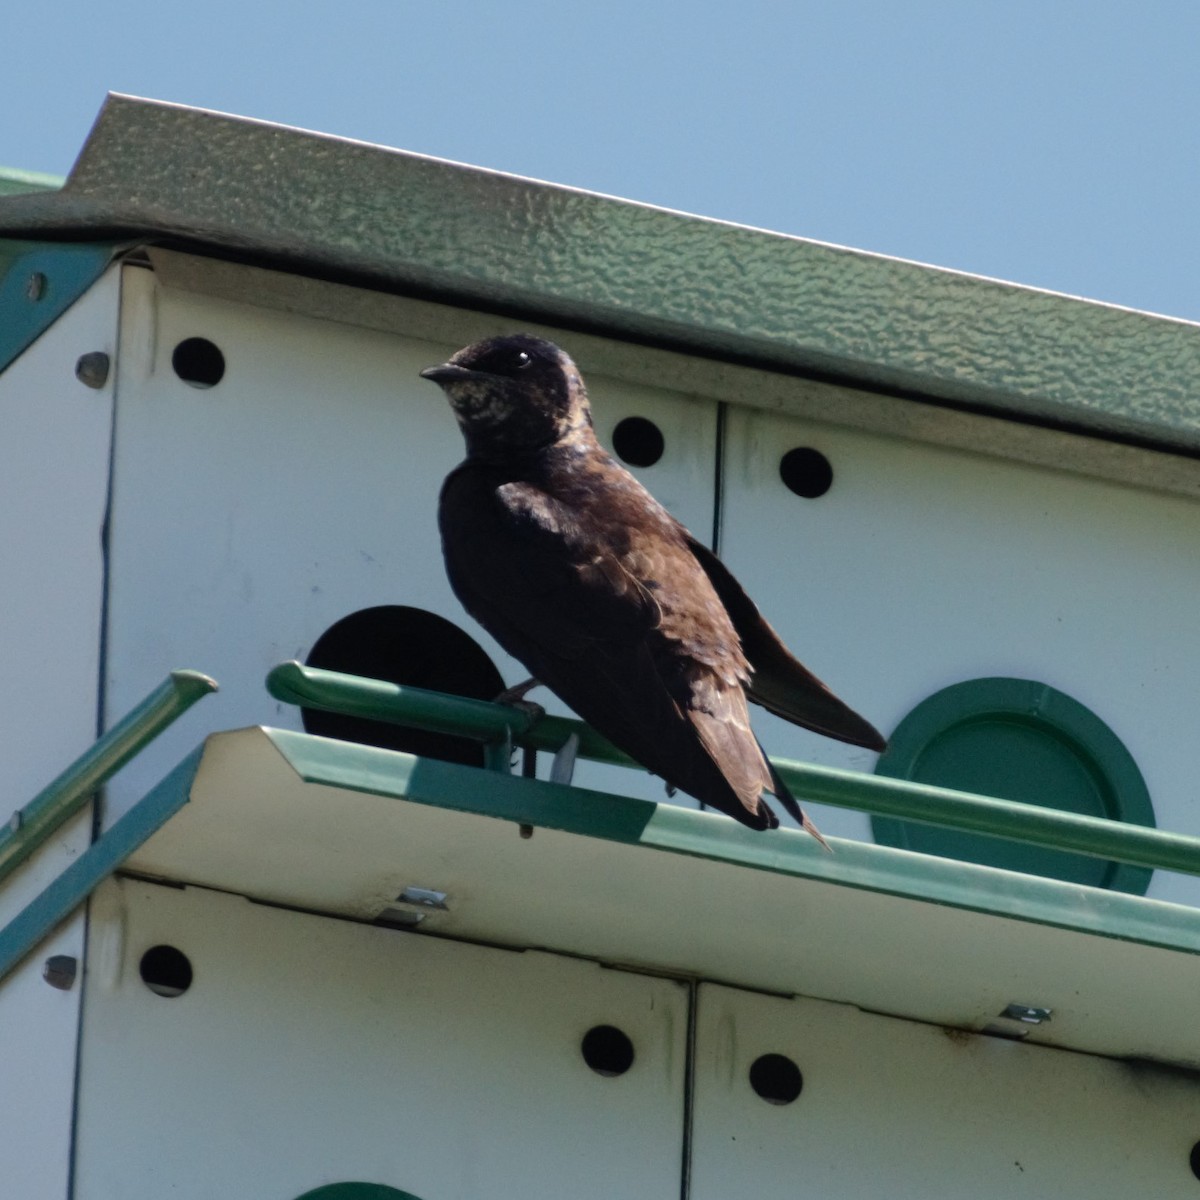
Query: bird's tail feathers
[800, 697]
[810, 828]
[780, 683]
[785, 797]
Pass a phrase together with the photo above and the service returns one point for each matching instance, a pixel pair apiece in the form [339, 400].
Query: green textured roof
[402, 222]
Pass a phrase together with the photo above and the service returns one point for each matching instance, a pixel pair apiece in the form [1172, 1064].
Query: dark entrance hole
[607, 1050]
[806, 472]
[198, 362]
[638, 442]
[406, 646]
[776, 1078]
[166, 971]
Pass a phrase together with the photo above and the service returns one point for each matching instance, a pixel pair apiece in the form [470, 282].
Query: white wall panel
[310, 1050]
[53, 489]
[916, 1112]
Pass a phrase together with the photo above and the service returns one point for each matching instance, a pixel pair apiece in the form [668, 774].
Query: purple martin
[578, 572]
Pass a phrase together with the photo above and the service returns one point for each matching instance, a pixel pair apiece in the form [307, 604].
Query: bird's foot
[514, 697]
[535, 712]
[562, 770]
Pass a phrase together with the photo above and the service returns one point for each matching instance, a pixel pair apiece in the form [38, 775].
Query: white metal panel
[916, 1112]
[925, 566]
[249, 517]
[37, 1066]
[53, 489]
[309, 1050]
[53, 492]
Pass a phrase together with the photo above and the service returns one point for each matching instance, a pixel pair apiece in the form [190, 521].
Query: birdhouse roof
[348, 211]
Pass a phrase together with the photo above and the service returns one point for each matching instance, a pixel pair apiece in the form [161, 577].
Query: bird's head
[515, 394]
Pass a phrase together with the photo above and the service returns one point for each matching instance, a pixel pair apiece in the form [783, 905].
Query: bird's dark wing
[780, 683]
[557, 597]
[520, 560]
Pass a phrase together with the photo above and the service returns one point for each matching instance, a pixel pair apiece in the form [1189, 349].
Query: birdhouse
[348, 929]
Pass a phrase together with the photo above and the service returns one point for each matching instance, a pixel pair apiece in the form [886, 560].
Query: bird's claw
[515, 696]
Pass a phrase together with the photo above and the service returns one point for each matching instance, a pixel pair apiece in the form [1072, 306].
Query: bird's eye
[522, 360]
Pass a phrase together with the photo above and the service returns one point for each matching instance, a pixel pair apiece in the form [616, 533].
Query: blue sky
[1056, 144]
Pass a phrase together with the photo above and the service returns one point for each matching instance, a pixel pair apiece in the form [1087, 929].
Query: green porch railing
[29, 827]
[436, 712]
[1138, 845]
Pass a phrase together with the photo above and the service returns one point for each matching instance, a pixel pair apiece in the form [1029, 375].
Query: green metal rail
[29, 827]
[1097, 837]
[436, 712]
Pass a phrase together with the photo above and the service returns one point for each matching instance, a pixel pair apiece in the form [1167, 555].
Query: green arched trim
[1018, 740]
[357, 1191]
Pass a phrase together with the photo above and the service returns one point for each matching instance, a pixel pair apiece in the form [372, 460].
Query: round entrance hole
[806, 472]
[638, 442]
[776, 1078]
[607, 1050]
[407, 646]
[198, 362]
[166, 971]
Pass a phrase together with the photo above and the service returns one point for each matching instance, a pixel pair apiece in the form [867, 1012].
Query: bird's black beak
[446, 373]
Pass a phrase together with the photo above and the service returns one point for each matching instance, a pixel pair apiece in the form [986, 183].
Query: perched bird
[576, 570]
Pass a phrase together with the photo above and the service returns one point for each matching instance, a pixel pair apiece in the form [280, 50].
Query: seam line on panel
[689, 1082]
[719, 475]
[77, 1080]
[718, 490]
[101, 705]
[106, 539]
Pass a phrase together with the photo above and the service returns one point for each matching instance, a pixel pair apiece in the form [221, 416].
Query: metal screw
[35, 286]
[60, 970]
[92, 368]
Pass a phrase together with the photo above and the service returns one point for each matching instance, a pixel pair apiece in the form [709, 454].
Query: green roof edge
[407, 223]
